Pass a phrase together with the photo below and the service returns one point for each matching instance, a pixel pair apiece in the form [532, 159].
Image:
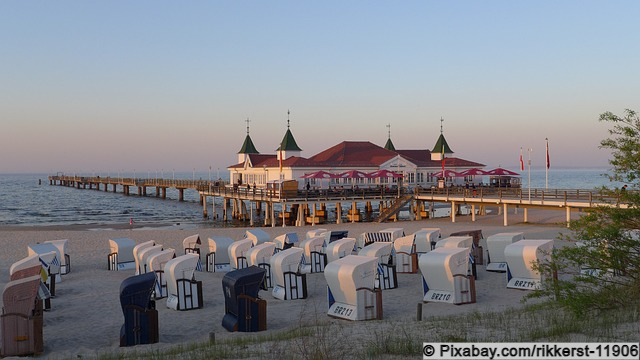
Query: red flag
[548, 163]
[521, 161]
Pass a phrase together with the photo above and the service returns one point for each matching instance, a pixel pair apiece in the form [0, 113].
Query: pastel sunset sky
[97, 86]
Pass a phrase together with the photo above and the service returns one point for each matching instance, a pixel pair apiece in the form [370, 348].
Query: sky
[105, 86]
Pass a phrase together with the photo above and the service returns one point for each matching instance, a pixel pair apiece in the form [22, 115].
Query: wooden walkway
[505, 198]
[236, 196]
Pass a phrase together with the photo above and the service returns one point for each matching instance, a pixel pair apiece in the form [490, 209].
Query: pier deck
[306, 200]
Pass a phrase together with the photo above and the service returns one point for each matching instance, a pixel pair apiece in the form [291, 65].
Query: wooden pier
[310, 207]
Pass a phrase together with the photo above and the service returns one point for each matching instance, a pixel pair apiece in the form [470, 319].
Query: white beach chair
[257, 236]
[136, 254]
[445, 278]
[238, 253]
[217, 258]
[51, 261]
[314, 257]
[121, 254]
[351, 288]
[461, 242]
[315, 233]
[191, 244]
[406, 259]
[156, 263]
[144, 256]
[285, 241]
[65, 259]
[520, 257]
[394, 232]
[340, 248]
[288, 282]
[425, 239]
[260, 256]
[495, 249]
[386, 273]
[184, 292]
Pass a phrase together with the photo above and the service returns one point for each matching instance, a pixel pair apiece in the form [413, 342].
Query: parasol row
[351, 174]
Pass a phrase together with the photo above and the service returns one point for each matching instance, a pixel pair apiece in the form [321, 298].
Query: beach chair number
[342, 311]
[440, 296]
[524, 284]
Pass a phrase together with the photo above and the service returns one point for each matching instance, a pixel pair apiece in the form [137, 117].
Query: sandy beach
[86, 316]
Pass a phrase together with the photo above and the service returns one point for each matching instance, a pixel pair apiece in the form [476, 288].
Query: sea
[28, 200]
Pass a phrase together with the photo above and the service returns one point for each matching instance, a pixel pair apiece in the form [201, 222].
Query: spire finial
[247, 121]
[389, 131]
[441, 121]
[288, 112]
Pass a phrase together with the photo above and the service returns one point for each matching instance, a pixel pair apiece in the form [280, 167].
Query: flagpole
[546, 170]
[529, 162]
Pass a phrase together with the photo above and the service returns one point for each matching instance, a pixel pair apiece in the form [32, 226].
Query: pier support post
[273, 215]
[568, 216]
[251, 213]
[267, 214]
[284, 211]
[234, 209]
[125, 188]
[204, 206]
[338, 213]
[213, 207]
[243, 210]
[504, 214]
[164, 192]
[181, 194]
[526, 215]
[453, 211]
[224, 210]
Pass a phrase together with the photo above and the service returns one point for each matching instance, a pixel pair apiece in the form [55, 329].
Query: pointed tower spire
[247, 146]
[288, 146]
[389, 144]
[441, 148]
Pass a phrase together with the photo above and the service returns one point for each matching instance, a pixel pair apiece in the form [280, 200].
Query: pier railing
[480, 194]
[523, 195]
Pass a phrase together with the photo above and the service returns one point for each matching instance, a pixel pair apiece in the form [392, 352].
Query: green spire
[389, 144]
[288, 143]
[442, 146]
[248, 147]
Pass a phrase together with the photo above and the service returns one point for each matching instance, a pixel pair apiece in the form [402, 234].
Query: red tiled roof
[422, 158]
[353, 154]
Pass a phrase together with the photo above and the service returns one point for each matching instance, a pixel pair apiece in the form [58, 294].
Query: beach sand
[86, 316]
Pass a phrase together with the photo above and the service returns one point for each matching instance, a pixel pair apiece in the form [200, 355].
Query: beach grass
[322, 339]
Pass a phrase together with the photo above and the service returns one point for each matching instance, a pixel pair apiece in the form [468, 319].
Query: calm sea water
[25, 202]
